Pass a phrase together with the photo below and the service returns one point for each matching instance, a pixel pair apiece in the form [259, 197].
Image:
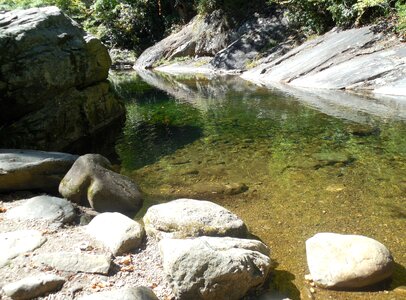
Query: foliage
[401, 10]
[320, 15]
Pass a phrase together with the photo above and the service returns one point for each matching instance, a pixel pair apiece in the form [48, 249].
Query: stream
[290, 163]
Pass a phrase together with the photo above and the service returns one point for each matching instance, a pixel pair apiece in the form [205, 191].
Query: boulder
[53, 88]
[133, 293]
[190, 218]
[117, 232]
[29, 169]
[33, 286]
[44, 207]
[347, 261]
[203, 36]
[91, 181]
[214, 267]
[18, 242]
[75, 262]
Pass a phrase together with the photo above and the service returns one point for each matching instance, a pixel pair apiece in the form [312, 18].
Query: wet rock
[117, 232]
[33, 286]
[213, 267]
[189, 218]
[74, 262]
[29, 169]
[18, 242]
[347, 261]
[133, 293]
[91, 181]
[60, 93]
[44, 208]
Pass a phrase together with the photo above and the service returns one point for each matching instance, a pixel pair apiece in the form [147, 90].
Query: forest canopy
[138, 24]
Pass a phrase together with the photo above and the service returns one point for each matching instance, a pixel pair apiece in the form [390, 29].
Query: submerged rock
[53, 88]
[347, 261]
[116, 231]
[33, 286]
[91, 181]
[18, 242]
[29, 169]
[190, 218]
[44, 208]
[213, 267]
[133, 293]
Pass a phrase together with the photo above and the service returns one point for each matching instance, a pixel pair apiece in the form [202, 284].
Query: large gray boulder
[33, 286]
[44, 207]
[117, 232]
[18, 242]
[191, 218]
[356, 59]
[132, 293]
[29, 169]
[347, 261]
[53, 87]
[213, 267]
[91, 181]
[203, 36]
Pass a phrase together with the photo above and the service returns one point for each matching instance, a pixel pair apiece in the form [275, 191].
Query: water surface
[289, 163]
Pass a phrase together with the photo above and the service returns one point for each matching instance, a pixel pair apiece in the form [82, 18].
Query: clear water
[288, 167]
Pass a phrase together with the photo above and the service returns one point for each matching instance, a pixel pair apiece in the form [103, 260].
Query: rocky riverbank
[367, 59]
[184, 249]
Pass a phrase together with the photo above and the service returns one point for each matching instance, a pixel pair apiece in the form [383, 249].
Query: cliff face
[53, 88]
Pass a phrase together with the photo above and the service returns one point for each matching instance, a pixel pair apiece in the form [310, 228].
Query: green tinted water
[288, 170]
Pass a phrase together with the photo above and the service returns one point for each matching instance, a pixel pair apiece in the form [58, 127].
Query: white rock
[134, 293]
[116, 231]
[33, 286]
[44, 207]
[15, 243]
[347, 261]
[74, 262]
[190, 218]
[214, 267]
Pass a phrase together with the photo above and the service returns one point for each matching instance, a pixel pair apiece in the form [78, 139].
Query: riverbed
[290, 163]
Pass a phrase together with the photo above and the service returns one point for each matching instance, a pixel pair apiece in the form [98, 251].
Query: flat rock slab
[44, 208]
[15, 243]
[134, 293]
[214, 267]
[29, 169]
[75, 262]
[33, 286]
[117, 232]
[347, 261]
[190, 218]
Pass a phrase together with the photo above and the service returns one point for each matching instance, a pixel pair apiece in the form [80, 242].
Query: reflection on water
[288, 169]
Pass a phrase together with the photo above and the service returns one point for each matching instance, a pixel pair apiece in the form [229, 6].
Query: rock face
[44, 208]
[90, 181]
[52, 80]
[74, 262]
[255, 36]
[135, 293]
[190, 218]
[28, 169]
[347, 261]
[214, 268]
[34, 286]
[116, 231]
[203, 36]
[15, 243]
[356, 59]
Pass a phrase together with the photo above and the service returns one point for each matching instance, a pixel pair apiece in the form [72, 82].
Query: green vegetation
[317, 16]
